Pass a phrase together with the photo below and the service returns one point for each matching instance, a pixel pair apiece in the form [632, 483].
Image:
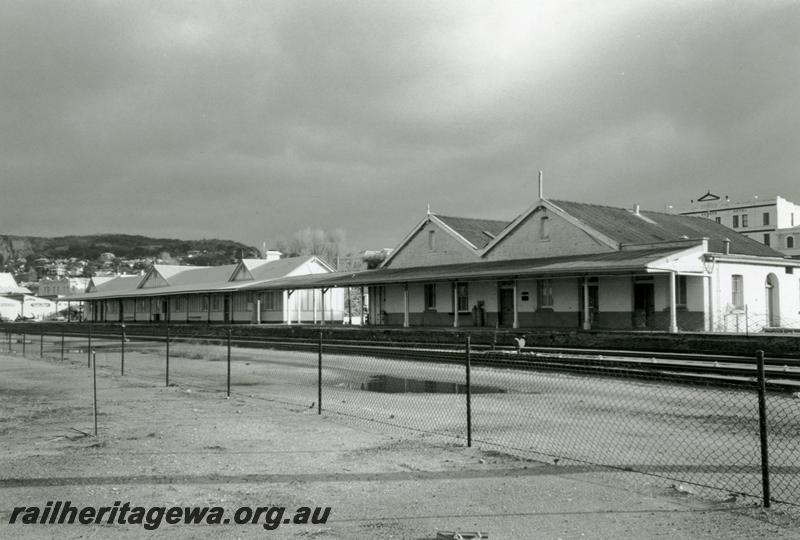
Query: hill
[125, 246]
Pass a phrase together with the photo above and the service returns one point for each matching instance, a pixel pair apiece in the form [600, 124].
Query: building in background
[18, 302]
[773, 222]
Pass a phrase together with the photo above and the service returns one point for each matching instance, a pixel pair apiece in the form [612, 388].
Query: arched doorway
[773, 301]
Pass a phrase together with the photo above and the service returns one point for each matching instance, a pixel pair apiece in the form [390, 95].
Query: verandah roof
[616, 262]
[598, 263]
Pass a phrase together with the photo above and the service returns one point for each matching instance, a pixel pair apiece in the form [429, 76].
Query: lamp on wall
[708, 264]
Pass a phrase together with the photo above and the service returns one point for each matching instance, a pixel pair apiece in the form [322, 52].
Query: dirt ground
[187, 445]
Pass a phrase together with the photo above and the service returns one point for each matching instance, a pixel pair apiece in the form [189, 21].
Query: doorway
[644, 302]
[773, 301]
[506, 312]
[226, 309]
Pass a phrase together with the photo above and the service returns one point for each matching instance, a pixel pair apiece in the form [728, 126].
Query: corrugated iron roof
[119, 283]
[475, 230]
[626, 227]
[599, 263]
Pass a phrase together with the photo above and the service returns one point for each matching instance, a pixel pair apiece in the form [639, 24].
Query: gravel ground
[188, 445]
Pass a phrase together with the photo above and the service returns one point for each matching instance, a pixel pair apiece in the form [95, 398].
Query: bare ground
[188, 445]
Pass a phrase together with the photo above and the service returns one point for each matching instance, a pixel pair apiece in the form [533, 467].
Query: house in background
[773, 222]
[16, 301]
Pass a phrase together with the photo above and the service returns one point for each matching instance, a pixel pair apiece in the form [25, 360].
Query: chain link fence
[694, 424]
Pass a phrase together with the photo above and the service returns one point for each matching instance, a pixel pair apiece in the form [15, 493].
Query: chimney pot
[726, 246]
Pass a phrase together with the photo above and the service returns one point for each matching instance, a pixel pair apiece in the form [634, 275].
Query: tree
[327, 245]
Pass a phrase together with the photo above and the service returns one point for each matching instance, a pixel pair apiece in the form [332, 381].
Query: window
[766, 239]
[272, 301]
[204, 305]
[195, 303]
[179, 303]
[765, 215]
[462, 296]
[432, 240]
[744, 220]
[789, 242]
[737, 291]
[545, 293]
[735, 222]
[718, 219]
[525, 296]
[430, 296]
[544, 228]
[216, 302]
[680, 293]
[239, 302]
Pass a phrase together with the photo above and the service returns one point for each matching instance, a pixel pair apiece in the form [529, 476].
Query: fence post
[167, 370]
[229, 362]
[319, 375]
[9, 342]
[469, 391]
[41, 343]
[762, 427]
[89, 349]
[122, 352]
[23, 344]
[94, 390]
[62, 344]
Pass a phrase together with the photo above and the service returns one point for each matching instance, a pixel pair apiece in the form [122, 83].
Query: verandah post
[762, 427]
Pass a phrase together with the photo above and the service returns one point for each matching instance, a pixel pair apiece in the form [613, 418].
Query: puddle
[399, 385]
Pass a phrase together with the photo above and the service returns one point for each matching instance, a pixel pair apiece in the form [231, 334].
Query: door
[773, 301]
[644, 305]
[165, 309]
[506, 297]
[226, 307]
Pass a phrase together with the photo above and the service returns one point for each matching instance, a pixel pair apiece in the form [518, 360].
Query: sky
[249, 120]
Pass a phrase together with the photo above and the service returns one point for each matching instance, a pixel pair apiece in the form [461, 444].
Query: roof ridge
[470, 218]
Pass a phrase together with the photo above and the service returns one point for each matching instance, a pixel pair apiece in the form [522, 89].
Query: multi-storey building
[773, 222]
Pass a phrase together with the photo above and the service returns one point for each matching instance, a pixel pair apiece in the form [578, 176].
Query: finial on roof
[429, 208]
[541, 185]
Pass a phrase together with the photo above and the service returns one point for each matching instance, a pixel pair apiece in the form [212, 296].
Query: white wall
[755, 298]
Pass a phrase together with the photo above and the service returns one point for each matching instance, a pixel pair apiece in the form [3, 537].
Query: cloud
[250, 120]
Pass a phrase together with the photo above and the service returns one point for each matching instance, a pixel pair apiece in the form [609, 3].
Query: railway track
[781, 373]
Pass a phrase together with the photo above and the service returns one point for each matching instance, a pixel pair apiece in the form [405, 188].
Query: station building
[563, 264]
[232, 293]
[559, 264]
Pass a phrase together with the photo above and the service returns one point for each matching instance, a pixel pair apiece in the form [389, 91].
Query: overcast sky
[250, 120]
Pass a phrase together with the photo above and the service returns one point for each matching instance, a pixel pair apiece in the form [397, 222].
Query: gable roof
[475, 230]
[8, 285]
[201, 274]
[119, 283]
[648, 227]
